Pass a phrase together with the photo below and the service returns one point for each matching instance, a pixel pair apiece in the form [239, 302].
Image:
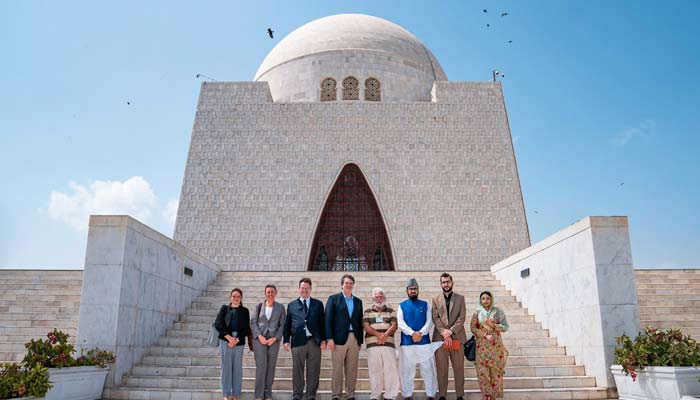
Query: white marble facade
[581, 287]
[134, 287]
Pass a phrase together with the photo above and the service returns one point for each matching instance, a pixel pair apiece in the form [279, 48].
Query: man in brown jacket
[449, 313]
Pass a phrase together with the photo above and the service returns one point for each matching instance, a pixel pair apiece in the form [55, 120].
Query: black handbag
[470, 349]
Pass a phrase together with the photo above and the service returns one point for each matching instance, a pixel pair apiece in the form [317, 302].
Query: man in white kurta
[415, 322]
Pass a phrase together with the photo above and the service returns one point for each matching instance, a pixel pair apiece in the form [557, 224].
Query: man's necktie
[306, 308]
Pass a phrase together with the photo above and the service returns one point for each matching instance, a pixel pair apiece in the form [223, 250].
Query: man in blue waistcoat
[415, 322]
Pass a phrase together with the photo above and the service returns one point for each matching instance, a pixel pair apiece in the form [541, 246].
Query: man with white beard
[415, 320]
[379, 322]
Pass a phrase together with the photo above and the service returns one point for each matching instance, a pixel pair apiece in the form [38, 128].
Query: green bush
[56, 352]
[31, 377]
[21, 382]
[656, 348]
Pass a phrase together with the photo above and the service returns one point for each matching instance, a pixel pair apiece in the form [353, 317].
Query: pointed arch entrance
[351, 235]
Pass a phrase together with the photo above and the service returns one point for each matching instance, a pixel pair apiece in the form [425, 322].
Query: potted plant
[50, 369]
[657, 365]
[20, 382]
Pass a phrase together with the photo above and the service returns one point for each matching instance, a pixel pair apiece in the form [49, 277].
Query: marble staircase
[181, 366]
[669, 299]
[32, 303]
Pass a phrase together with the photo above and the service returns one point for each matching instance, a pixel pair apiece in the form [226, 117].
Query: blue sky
[598, 93]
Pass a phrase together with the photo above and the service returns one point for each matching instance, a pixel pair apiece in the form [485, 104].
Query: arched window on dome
[351, 88]
[372, 90]
[328, 90]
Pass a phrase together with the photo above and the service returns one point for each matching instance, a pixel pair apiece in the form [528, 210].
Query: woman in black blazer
[233, 324]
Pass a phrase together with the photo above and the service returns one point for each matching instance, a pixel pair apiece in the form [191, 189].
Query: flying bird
[270, 32]
[487, 25]
[485, 11]
[207, 77]
[536, 212]
[510, 41]
[503, 14]
[128, 104]
[622, 183]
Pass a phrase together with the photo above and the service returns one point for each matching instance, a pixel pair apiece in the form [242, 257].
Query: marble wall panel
[443, 172]
[126, 307]
[581, 287]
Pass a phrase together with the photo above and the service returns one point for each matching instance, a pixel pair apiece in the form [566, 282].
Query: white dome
[350, 45]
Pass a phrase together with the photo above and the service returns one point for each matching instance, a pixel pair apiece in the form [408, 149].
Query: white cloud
[170, 211]
[132, 197]
[645, 130]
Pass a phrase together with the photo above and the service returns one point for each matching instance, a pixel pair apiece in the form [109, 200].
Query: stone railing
[579, 283]
[135, 284]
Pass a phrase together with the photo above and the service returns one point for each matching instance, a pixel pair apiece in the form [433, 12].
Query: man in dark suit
[344, 335]
[304, 330]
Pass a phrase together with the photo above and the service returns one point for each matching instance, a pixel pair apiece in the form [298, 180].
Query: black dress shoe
[443, 398]
[460, 398]
[429, 398]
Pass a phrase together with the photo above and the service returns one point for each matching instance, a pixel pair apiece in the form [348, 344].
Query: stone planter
[657, 383]
[76, 383]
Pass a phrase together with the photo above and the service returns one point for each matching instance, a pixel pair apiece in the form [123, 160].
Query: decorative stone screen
[351, 235]
[351, 88]
[328, 90]
[372, 90]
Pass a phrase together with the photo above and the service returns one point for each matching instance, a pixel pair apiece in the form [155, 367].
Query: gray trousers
[231, 369]
[265, 363]
[306, 357]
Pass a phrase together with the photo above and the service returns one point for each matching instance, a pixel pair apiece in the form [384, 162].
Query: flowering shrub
[19, 382]
[31, 377]
[657, 348]
[56, 352]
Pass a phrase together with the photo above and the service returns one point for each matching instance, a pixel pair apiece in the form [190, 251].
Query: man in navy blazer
[344, 335]
[304, 328]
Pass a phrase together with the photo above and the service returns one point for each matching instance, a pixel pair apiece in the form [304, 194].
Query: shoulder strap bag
[213, 338]
[470, 349]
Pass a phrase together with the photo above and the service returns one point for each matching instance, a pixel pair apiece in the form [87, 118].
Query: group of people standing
[306, 328]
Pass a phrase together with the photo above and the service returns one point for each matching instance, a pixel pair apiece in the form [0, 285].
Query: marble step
[9, 317]
[517, 330]
[507, 339]
[390, 291]
[31, 309]
[45, 297]
[35, 332]
[282, 383]
[337, 274]
[36, 294]
[249, 371]
[668, 285]
[28, 303]
[20, 337]
[122, 393]
[652, 302]
[193, 343]
[286, 361]
[534, 350]
[198, 308]
[683, 325]
[670, 291]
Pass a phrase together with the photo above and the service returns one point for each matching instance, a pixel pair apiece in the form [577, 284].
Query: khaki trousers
[344, 359]
[456, 357]
[383, 372]
[306, 358]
